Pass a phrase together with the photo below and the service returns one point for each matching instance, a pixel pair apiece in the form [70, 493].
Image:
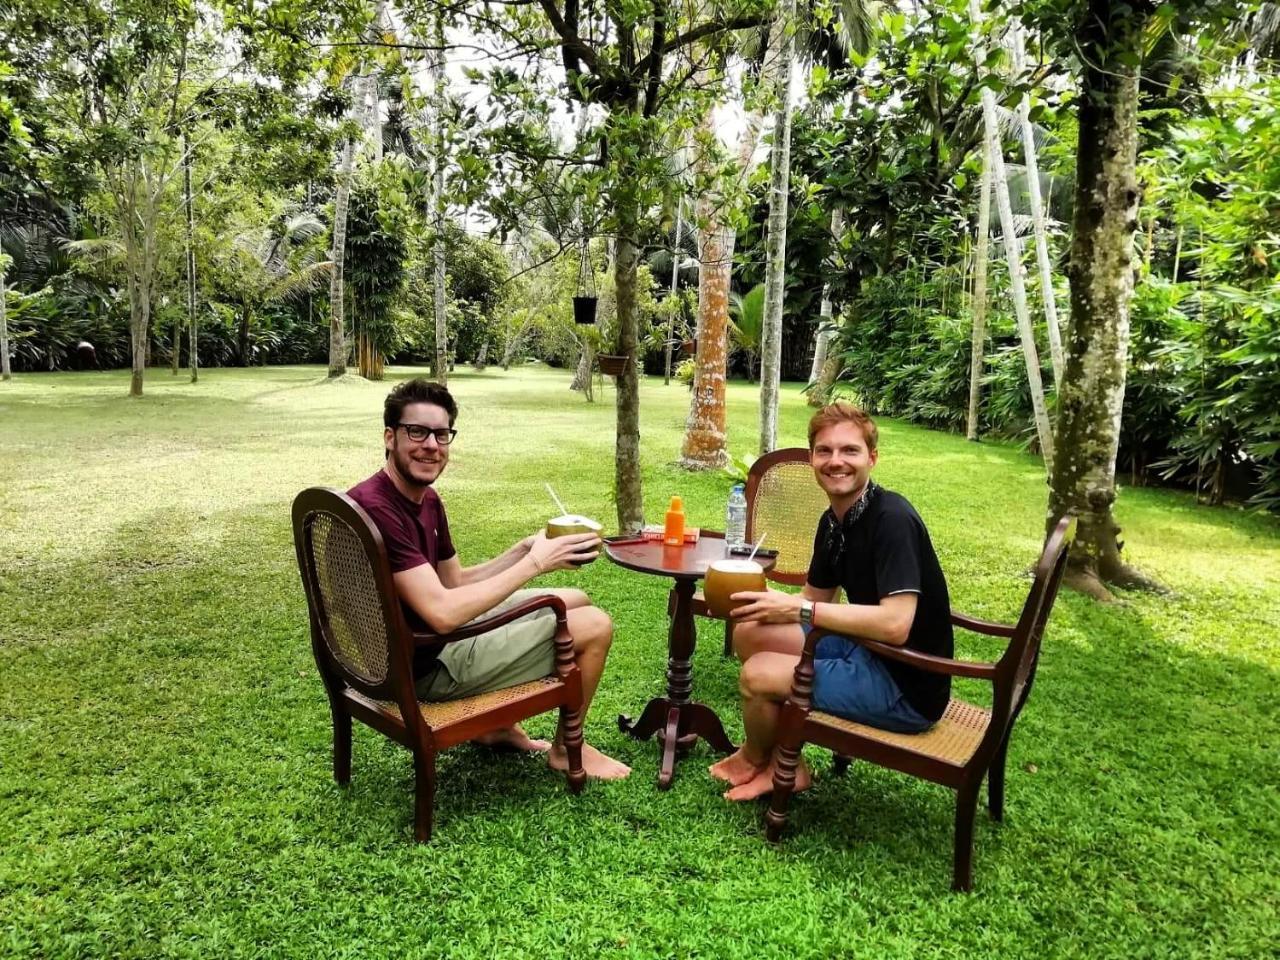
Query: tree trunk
[1013, 256]
[1101, 276]
[981, 255]
[818, 392]
[242, 335]
[704, 437]
[775, 277]
[193, 357]
[627, 484]
[1038, 214]
[337, 292]
[440, 363]
[5, 372]
[703, 447]
[675, 279]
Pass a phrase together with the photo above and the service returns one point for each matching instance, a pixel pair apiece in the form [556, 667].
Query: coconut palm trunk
[981, 254]
[818, 390]
[703, 447]
[675, 279]
[337, 255]
[776, 243]
[1038, 213]
[1013, 256]
[1101, 276]
[193, 353]
[5, 372]
[440, 362]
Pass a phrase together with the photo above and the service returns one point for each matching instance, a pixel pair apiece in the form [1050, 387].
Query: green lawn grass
[165, 778]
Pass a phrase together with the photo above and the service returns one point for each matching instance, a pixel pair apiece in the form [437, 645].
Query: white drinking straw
[757, 546]
[563, 511]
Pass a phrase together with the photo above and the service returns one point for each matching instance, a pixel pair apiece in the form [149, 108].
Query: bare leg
[750, 638]
[514, 736]
[592, 632]
[765, 682]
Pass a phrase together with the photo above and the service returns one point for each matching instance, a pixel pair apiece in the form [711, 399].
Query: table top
[688, 562]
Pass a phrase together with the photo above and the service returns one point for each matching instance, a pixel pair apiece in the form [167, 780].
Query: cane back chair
[364, 650]
[968, 743]
[783, 502]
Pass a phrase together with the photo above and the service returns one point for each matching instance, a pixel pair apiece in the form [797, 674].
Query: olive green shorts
[521, 650]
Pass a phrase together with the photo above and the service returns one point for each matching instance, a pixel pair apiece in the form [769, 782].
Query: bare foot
[513, 738]
[595, 763]
[736, 768]
[763, 783]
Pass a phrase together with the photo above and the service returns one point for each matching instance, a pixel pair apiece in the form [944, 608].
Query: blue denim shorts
[852, 682]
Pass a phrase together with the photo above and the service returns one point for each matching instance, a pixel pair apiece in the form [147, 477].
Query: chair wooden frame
[387, 701]
[755, 479]
[1011, 677]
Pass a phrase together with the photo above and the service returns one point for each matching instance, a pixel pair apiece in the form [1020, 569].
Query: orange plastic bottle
[673, 531]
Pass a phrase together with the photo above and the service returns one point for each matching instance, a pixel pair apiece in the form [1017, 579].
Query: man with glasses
[872, 544]
[440, 595]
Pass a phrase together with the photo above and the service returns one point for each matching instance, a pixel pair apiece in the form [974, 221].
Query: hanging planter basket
[613, 364]
[688, 348]
[585, 299]
[584, 310]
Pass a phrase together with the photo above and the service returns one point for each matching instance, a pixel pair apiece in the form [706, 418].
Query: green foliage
[377, 249]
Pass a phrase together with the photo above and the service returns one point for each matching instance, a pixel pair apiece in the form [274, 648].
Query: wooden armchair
[785, 502]
[967, 744]
[364, 651]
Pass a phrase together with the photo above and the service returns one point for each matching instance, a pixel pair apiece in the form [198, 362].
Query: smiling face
[412, 464]
[842, 462]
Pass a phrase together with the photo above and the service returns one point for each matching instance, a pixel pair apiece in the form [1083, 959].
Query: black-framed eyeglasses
[418, 433]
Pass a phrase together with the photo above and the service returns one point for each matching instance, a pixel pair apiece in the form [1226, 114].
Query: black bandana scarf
[836, 532]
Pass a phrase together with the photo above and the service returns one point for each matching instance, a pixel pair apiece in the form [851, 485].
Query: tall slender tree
[776, 244]
[440, 359]
[981, 253]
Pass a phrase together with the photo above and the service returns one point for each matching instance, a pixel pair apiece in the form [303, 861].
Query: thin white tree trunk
[1013, 256]
[1038, 213]
[337, 329]
[675, 277]
[822, 336]
[981, 255]
[5, 372]
[441, 362]
[776, 245]
[193, 356]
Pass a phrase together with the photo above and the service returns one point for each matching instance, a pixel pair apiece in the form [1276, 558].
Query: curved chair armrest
[977, 669]
[981, 626]
[546, 601]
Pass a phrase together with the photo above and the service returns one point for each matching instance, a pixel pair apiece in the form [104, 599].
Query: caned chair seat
[446, 713]
[954, 739]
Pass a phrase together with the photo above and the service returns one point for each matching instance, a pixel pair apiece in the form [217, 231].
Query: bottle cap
[676, 504]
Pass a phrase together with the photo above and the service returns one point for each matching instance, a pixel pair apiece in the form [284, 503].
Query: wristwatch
[806, 612]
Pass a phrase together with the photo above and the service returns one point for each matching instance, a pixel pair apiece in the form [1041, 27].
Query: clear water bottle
[735, 518]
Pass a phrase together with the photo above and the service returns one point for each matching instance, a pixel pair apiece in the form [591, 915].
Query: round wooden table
[676, 719]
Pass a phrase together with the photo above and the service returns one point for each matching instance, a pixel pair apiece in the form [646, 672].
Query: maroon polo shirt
[414, 533]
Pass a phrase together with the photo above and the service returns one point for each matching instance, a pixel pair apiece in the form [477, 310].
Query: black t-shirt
[888, 551]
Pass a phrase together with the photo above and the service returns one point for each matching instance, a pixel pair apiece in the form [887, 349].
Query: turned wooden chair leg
[424, 775]
[840, 764]
[728, 638]
[995, 782]
[571, 724]
[966, 805]
[784, 782]
[341, 746]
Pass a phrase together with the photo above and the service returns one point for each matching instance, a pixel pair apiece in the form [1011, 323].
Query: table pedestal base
[678, 726]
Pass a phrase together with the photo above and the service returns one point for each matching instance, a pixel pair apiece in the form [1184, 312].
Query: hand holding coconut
[565, 551]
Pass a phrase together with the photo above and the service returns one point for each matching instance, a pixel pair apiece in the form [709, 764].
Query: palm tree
[271, 264]
[747, 323]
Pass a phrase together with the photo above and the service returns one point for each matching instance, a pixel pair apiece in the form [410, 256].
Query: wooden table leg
[670, 740]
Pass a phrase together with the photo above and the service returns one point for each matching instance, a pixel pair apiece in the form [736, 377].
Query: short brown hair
[417, 390]
[844, 412]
